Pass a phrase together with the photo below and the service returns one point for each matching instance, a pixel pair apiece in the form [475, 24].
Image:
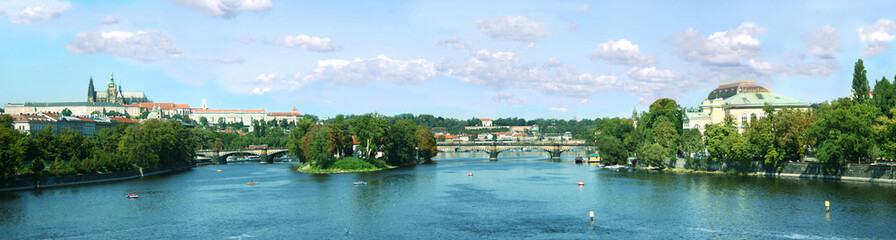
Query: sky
[458, 59]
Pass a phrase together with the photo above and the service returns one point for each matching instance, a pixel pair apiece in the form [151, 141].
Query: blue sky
[461, 59]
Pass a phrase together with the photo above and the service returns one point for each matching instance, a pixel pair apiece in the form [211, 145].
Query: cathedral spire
[91, 93]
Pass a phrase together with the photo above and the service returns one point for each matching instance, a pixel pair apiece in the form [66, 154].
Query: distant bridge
[265, 155]
[494, 148]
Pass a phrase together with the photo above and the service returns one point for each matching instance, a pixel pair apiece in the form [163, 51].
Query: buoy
[219, 170]
[591, 214]
[827, 206]
[470, 174]
[581, 183]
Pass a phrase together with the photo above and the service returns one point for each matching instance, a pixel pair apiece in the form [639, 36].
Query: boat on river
[360, 183]
[132, 196]
[579, 159]
[252, 183]
[618, 167]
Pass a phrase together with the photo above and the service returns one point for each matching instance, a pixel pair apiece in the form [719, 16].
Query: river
[524, 195]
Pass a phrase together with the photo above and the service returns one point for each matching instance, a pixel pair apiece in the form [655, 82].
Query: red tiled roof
[166, 106]
[485, 119]
[123, 120]
[199, 110]
[284, 114]
[84, 119]
[52, 115]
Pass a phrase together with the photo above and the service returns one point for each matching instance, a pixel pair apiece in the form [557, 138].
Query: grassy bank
[344, 165]
[694, 171]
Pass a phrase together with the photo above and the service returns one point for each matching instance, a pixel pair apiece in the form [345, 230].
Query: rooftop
[726, 90]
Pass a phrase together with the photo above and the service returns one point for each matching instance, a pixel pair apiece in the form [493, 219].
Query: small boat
[360, 183]
[252, 183]
[579, 159]
[132, 196]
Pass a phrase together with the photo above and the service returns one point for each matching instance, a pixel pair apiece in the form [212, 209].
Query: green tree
[37, 166]
[11, 153]
[321, 157]
[667, 135]
[369, 129]
[296, 136]
[654, 155]
[203, 121]
[611, 150]
[6, 121]
[885, 96]
[860, 86]
[848, 125]
[692, 142]
[398, 147]
[66, 112]
[426, 144]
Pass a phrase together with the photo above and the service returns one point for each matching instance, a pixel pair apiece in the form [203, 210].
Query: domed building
[743, 100]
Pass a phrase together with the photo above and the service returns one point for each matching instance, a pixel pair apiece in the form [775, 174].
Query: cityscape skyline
[459, 59]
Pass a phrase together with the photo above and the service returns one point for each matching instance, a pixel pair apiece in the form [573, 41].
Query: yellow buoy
[219, 170]
[827, 206]
[591, 214]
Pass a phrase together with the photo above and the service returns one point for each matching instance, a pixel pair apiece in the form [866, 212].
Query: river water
[524, 195]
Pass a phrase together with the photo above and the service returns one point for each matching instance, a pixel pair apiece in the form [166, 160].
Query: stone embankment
[850, 172]
[49, 182]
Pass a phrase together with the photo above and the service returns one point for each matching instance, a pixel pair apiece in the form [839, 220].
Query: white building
[486, 122]
[743, 100]
[77, 108]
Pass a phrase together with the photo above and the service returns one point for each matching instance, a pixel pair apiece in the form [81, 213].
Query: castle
[114, 95]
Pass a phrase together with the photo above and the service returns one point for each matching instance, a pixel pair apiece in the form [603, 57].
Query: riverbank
[51, 182]
[850, 172]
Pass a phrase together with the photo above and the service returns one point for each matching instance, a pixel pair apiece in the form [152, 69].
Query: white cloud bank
[514, 28]
[877, 36]
[380, 68]
[141, 45]
[227, 8]
[622, 52]
[37, 14]
[310, 43]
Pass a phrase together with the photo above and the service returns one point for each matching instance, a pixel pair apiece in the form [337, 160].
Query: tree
[399, 144]
[848, 125]
[860, 86]
[692, 142]
[6, 121]
[66, 112]
[320, 153]
[426, 144]
[37, 166]
[295, 139]
[885, 96]
[369, 130]
[666, 134]
[654, 154]
[611, 150]
[11, 153]
[203, 121]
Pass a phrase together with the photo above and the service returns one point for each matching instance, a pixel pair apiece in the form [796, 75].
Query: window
[743, 119]
[758, 95]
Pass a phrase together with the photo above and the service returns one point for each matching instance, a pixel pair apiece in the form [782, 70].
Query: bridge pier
[555, 155]
[493, 155]
[263, 158]
[217, 159]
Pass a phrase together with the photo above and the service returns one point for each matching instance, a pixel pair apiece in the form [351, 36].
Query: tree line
[858, 129]
[380, 144]
[150, 144]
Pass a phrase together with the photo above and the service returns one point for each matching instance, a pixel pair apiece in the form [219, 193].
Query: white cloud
[553, 62]
[311, 43]
[573, 27]
[761, 67]
[270, 82]
[380, 68]
[514, 28]
[720, 48]
[818, 70]
[579, 9]
[141, 45]
[110, 20]
[456, 43]
[224, 60]
[227, 8]
[622, 52]
[651, 74]
[509, 99]
[584, 101]
[877, 36]
[502, 70]
[246, 40]
[559, 109]
[38, 14]
[823, 42]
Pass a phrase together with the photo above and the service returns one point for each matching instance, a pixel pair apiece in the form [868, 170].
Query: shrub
[352, 163]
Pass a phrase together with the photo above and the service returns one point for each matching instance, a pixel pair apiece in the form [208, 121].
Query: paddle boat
[360, 183]
[579, 159]
[252, 183]
[132, 196]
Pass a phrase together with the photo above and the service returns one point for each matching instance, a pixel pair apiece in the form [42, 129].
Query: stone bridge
[555, 149]
[265, 155]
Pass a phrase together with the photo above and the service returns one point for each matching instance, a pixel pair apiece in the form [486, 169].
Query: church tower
[111, 91]
[91, 94]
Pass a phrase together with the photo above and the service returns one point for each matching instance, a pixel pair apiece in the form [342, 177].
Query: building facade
[77, 108]
[87, 126]
[247, 117]
[114, 94]
[742, 100]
